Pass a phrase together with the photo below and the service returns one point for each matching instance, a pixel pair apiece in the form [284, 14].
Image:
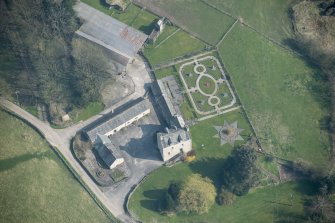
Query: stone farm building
[174, 142]
[112, 123]
[164, 90]
[177, 139]
[157, 30]
[110, 154]
[122, 40]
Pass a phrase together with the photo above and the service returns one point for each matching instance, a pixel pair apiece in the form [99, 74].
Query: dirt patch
[114, 90]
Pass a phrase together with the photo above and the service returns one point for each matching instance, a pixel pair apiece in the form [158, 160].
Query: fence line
[224, 36]
[167, 38]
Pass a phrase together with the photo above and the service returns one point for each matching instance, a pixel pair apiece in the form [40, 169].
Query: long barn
[109, 32]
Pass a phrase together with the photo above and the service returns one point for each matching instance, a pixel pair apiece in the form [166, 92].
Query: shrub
[197, 194]
[225, 197]
[239, 171]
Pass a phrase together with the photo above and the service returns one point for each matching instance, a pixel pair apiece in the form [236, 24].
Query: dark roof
[114, 120]
[109, 32]
[173, 136]
[163, 96]
[108, 153]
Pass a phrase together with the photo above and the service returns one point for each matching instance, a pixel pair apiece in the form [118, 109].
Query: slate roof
[163, 96]
[173, 137]
[109, 32]
[112, 121]
[107, 151]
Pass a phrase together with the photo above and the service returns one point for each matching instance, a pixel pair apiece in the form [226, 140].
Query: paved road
[61, 138]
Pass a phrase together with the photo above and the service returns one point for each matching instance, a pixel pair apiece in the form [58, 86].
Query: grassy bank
[35, 184]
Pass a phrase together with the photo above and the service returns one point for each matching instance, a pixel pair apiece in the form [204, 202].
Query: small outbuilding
[118, 4]
[110, 154]
[157, 30]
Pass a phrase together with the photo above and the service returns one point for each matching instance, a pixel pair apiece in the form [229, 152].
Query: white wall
[123, 125]
[116, 162]
[169, 152]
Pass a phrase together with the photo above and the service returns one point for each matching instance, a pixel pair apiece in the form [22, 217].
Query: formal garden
[206, 85]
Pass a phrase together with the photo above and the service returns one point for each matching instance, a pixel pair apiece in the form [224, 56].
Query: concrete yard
[139, 149]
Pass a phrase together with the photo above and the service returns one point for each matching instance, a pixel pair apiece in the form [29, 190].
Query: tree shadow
[10, 163]
[152, 205]
[307, 187]
[155, 199]
[154, 194]
[148, 29]
[99, 160]
[209, 167]
[104, 4]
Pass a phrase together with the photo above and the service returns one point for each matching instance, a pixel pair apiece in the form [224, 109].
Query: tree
[171, 198]
[53, 67]
[225, 197]
[196, 195]
[240, 171]
[321, 209]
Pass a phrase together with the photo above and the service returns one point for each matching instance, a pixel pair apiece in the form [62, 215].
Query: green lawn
[224, 94]
[271, 18]
[179, 44]
[265, 205]
[196, 17]
[166, 72]
[144, 21]
[207, 85]
[187, 110]
[190, 76]
[280, 94]
[169, 30]
[262, 205]
[201, 101]
[133, 16]
[35, 184]
[90, 110]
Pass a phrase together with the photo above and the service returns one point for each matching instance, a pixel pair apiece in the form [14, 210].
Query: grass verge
[31, 174]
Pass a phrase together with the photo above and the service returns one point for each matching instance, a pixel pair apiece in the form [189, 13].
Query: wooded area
[42, 61]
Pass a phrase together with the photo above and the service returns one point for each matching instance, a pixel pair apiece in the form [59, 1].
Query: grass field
[196, 17]
[270, 204]
[144, 21]
[179, 44]
[133, 16]
[271, 18]
[280, 94]
[263, 205]
[35, 185]
[166, 72]
[91, 109]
